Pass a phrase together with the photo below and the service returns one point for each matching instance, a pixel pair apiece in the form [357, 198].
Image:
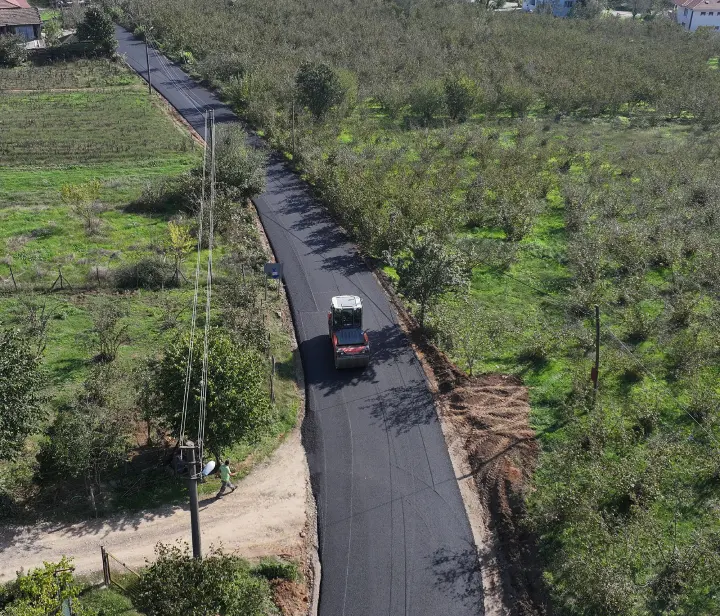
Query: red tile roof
[691, 4]
[14, 4]
[20, 17]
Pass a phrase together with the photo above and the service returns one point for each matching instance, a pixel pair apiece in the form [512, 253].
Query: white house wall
[698, 20]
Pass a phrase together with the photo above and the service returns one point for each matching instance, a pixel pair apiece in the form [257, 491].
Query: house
[560, 8]
[18, 17]
[694, 14]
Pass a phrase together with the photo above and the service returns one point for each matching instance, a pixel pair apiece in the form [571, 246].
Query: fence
[115, 572]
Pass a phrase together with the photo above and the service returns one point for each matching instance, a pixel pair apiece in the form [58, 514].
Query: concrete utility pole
[147, 60]
[147, 57]
[193, 476]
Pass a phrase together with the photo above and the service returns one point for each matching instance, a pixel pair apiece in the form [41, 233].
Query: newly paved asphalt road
[394, 536]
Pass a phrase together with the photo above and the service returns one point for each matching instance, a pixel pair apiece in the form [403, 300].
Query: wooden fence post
[105, 566]
[12, 276]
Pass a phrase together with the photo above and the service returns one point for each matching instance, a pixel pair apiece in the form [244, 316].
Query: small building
[559, 8]
[18, 17]
[694, 14]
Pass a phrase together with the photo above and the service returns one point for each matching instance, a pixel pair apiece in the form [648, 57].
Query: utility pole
[596, 368]
[147, 60]
[194, 507]
[293, 129]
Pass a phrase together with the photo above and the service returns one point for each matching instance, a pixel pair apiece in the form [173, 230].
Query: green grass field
[77, 123]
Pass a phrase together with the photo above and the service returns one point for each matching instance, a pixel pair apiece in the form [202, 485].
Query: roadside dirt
[493, 449]
[265, 515]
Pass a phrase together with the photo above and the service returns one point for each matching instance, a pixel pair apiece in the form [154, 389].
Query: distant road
[394, 536]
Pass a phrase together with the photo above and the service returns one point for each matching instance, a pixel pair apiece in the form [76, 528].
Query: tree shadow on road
[457, 573]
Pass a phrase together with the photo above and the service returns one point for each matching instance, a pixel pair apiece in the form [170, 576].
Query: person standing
[225, 481]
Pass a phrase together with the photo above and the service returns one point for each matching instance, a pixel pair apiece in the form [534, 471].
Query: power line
[191, 344]
[208, 289]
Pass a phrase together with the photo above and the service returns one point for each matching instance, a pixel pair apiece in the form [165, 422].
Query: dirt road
[265, 515]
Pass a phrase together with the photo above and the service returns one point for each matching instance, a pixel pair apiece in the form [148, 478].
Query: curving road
[394, 536]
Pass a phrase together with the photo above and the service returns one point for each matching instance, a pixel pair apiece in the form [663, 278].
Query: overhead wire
[169, 72]
[208, 292]
[193, 319]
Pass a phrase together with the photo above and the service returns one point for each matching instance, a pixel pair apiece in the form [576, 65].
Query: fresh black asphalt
[394, 536]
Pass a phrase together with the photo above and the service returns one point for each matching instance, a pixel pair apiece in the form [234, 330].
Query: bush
[150, 273]
[276, 569]
[12, 50]
[177, 584]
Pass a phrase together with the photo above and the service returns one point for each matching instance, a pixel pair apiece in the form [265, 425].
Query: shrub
[177, 584]
[12, 50]
[150, 273]
[276, 569]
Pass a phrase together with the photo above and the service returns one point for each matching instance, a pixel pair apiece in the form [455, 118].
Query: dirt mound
[490, 416]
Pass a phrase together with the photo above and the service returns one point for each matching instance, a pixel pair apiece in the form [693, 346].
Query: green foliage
[460, 97]
[427, 100]
[318, 88]
[150, 273]
[240, 169]
[108, 333]
[89, 437]
[97, 27]
[108, 602]
[12, 50]
[429, 270]
[238, 405]
[21, 412]
[176, 584]
[42, 591]
[277, 569]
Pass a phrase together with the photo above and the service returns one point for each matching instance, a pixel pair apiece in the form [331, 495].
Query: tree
[83, 201]
[239, 169]
[43, 591]
[97, 28]
[238, 401]
[472, 331]
[427, 100]
[12, 50]
[428, 270]
[179, 243]
[89, 437]
[459, 97]
[318, 88]
[21, 412]
[177, 584]
[108, 333]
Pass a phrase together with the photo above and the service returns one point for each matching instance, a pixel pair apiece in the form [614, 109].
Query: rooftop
[19, 16]
[691, 4]
[14, 4]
